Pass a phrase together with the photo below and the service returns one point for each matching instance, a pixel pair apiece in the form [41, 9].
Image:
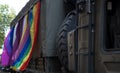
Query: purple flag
[7, 50]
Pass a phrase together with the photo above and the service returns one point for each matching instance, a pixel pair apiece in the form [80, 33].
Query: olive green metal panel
[105, 61]
[83, 38]
[71, 49]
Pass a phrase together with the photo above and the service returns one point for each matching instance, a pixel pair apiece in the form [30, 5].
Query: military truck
[76, 36]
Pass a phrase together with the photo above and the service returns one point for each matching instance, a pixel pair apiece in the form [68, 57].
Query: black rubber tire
[69, 5]
[72, 2]
[68, 25]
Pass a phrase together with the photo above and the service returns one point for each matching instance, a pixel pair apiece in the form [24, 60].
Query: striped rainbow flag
[28, 39]
[23, 44]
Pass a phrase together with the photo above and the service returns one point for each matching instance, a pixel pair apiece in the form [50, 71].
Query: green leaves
[6, 16]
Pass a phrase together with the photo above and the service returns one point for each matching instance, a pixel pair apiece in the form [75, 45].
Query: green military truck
[76, 36]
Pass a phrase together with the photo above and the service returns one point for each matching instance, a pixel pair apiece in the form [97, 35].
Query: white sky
[17, 5]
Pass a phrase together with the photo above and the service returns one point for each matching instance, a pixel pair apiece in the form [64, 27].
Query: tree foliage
[6, 16]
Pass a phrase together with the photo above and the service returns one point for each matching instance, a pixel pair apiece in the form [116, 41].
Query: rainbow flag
[28, 39]
[23, 43]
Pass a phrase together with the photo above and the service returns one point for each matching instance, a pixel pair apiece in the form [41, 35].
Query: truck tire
[68, 25]
[72, 2]
[69, 5]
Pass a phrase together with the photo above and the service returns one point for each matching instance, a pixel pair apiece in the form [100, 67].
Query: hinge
[81, 5]
[85, 5]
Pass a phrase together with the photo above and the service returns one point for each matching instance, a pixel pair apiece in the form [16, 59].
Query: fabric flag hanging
[16, 38]
[7, 50]
[23, 39]
[22, 55]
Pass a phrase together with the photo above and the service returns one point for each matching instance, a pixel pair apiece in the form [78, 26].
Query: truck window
[112, 25]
